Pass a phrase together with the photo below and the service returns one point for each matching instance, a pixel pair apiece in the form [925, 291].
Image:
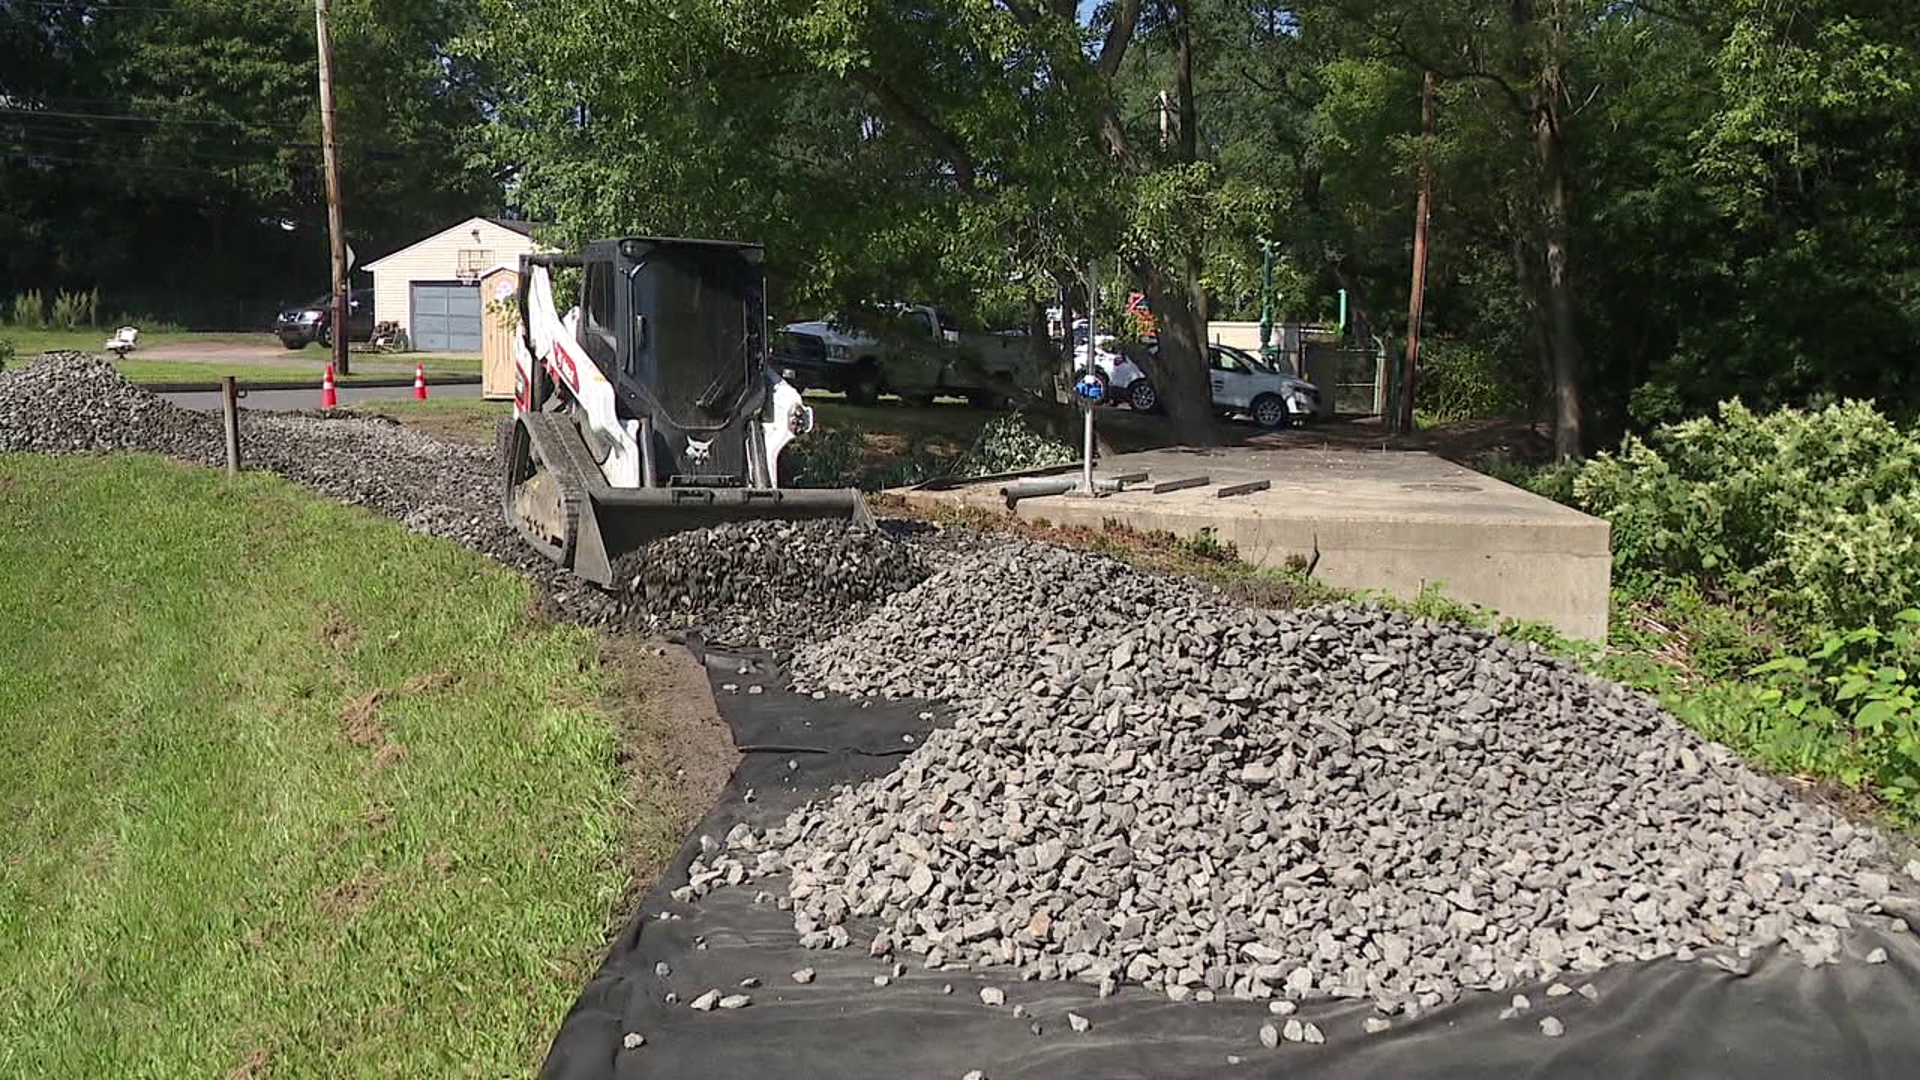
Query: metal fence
[1349, 378]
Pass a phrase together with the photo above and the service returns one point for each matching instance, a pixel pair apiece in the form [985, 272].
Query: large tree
[168, 153]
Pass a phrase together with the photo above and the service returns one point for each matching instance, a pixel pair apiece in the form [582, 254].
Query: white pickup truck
[919, 353]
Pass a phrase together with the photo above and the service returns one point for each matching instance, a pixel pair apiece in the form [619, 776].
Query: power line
[210, 121]
[65, 140]
[35, 126]
[107, 166]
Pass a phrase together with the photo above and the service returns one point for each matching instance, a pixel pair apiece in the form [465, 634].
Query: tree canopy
[168, 153]
[1638, 208]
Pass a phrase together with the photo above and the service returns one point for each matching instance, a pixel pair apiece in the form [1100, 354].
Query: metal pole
[336, 229]
[1086, 435]
[1266, 301]
[1417, 300]
[646, 451]
[230, 421]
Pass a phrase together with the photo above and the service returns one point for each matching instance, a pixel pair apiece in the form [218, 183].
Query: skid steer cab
[649, 407]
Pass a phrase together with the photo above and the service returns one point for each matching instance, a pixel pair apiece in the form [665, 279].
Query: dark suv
[302, 326]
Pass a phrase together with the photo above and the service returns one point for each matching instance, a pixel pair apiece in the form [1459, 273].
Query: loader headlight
[800, 420]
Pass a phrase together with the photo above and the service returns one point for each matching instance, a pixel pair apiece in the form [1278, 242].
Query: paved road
[286, 400]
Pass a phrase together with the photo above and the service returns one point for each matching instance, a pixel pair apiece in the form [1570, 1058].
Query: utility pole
[336, 229]
[1417, 300]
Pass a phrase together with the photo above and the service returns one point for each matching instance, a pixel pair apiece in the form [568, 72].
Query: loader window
[597, 330]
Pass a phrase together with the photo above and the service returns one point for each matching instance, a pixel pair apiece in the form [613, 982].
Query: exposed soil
[214, 352]
[677, 751]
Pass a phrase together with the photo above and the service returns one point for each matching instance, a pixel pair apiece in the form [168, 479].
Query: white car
[1242, 384]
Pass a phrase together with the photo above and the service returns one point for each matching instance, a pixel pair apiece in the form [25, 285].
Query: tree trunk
[1549, 142]
[1527, 274]
[1179, 371]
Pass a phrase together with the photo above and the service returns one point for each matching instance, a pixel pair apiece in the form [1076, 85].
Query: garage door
[446, 317]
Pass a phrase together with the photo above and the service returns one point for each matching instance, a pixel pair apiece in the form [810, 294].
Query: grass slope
[285, 789]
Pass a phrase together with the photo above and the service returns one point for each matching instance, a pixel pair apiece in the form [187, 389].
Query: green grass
[30, 341]
[180, 371]
[466, 420]
[222, 854]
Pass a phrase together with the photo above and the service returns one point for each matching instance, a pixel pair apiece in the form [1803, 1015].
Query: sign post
[1088, 391]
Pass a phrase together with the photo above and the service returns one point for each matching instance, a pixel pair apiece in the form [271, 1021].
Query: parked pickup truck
[914, 351]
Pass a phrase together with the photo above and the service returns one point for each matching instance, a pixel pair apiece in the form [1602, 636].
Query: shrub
[1009, 444]
[6, 353]
[1808, 513]
[1552, 481]
[1861, 685]
[1462, 381]
[29, 310]
[822, 459]
[71, 310]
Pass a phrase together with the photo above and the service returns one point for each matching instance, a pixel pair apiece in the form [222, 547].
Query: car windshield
[1252, 360]
[1240, 358]
[324, 300]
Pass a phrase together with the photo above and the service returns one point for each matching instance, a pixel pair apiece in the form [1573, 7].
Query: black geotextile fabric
[1774, 1020]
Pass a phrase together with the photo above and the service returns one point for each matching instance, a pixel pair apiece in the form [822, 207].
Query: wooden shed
[431, 288]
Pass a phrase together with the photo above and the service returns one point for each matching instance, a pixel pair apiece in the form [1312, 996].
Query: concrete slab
[1390, 521]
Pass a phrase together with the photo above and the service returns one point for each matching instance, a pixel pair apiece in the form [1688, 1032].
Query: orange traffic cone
[419, 382]
[329, 396]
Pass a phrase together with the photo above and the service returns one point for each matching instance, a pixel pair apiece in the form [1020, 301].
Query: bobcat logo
[699, 452]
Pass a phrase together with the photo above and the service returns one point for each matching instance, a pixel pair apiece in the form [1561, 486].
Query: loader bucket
[557, 499]
[621, 520]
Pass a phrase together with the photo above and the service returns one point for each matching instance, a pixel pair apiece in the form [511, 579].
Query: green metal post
[1266, 301]
[1343, 311]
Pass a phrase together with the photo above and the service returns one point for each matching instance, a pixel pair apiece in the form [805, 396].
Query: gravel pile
[760, 583]
[71, 402]
[1148, 785]
[766, 583]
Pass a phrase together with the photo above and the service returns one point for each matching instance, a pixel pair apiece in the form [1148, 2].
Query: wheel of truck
[866, 385]
[1142, 396]
[1270, 412]
[295, 343]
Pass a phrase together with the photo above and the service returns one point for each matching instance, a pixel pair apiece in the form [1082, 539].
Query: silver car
[1243, 384]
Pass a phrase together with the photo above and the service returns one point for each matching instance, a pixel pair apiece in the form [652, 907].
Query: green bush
[1553, 481]
[1861, 685]
[822, 459]
[1812, 514]
[6, 353]
[29, 310]
[1009, 444]
[72, 311]
[1461, 381]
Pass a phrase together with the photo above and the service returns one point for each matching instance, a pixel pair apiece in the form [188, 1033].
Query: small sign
[1089, 390]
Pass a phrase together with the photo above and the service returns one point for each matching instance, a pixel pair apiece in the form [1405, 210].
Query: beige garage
[431, 288]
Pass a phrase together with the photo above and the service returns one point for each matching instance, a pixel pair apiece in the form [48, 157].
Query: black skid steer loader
[649, 408]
